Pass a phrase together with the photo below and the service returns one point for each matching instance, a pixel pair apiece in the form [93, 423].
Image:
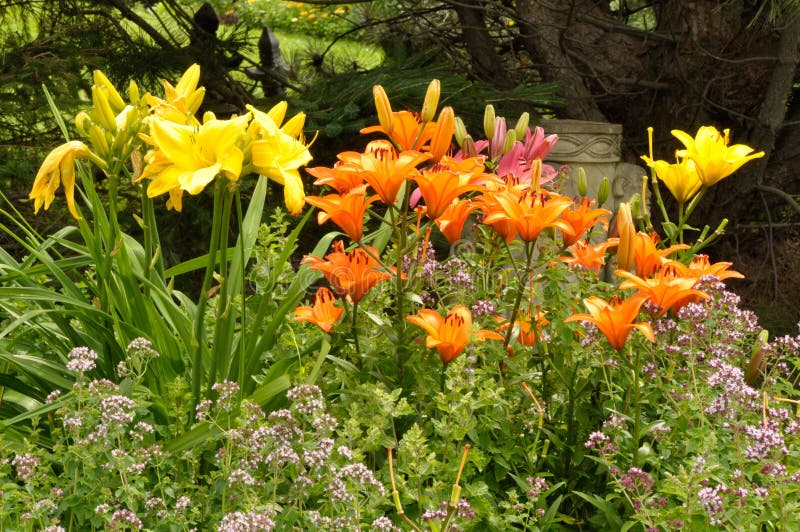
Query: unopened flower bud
[488, 121]
[194, 100]
[103, 114]
[604, 191]
[294, 126]
[469, 147]
[278, 112]
[627, 235]
[509, 141]
[582, 182]
[443, 134]
[114, 99]
[98, 140]
[82, 123]
[522, 125]
[755, 367]
[384, 108]
[636, 206]
[461, 130]
[133, 93]
[431, 101]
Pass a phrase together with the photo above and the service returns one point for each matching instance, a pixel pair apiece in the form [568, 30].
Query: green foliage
[457, 375]
[329, 20]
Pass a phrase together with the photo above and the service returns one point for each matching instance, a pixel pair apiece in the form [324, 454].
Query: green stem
[636, 404]
[529, 247]
[243, 300]
[354, 330]
[223, 299]
[657, 194]
[199, 330]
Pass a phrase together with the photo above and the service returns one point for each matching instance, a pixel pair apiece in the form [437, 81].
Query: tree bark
[542, 29]
[480, 46]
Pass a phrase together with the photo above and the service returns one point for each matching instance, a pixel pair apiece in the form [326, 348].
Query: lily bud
[509, 141]
[522, 125]
[488, 121]
[431, 101]
[754, 373]
[278, 112]
[133, 93]
[114, 99]
[469, 147]
[294, 126]
[582, 182]
[443, 134]
[461, 130]
[604, 191]
[627, 236]
[384, 109]
[636, 206]
[104, 115]
[98, 140]
[194, 100]
[82, 123]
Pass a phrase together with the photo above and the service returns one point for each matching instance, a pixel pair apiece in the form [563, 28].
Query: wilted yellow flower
[190, 157]
[713, 158]
[59, 167]
[277, 153]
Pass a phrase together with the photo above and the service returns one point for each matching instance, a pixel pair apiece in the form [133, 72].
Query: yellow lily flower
[713, 158]
[191, 157]
[277, 153]
[680, 178]
[59, 167]
[180, 102]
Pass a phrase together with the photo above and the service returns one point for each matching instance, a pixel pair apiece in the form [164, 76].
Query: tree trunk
[486, 63]
[542, 30]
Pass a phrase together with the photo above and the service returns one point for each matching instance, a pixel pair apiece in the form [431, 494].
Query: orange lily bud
[384, 109]
[627, 235]
[443, 134]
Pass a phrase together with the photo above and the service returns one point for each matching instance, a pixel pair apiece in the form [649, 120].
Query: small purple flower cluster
[247, 522]
[81, 360]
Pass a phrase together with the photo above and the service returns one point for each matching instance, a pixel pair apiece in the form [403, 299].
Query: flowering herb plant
[475, 349]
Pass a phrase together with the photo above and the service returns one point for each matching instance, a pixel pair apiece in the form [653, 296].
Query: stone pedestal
[596, 147]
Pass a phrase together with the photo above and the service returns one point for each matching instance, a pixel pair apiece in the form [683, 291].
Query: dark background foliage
[665, 63]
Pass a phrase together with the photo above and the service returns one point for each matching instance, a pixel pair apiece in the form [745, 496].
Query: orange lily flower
[616, 318]
[449, 335]
[350, 274]
[451, 221]
[323, 314]
[527, 325]
[346, 210]
[581, 219]
[441, 186]
[529, 212]
[384, 169]
[647, 257]
[701, 266]
[588, 256]
[342, 177]
[666, 290]
[407, 132]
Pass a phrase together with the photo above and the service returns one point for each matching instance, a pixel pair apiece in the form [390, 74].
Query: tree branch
[781, 194]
